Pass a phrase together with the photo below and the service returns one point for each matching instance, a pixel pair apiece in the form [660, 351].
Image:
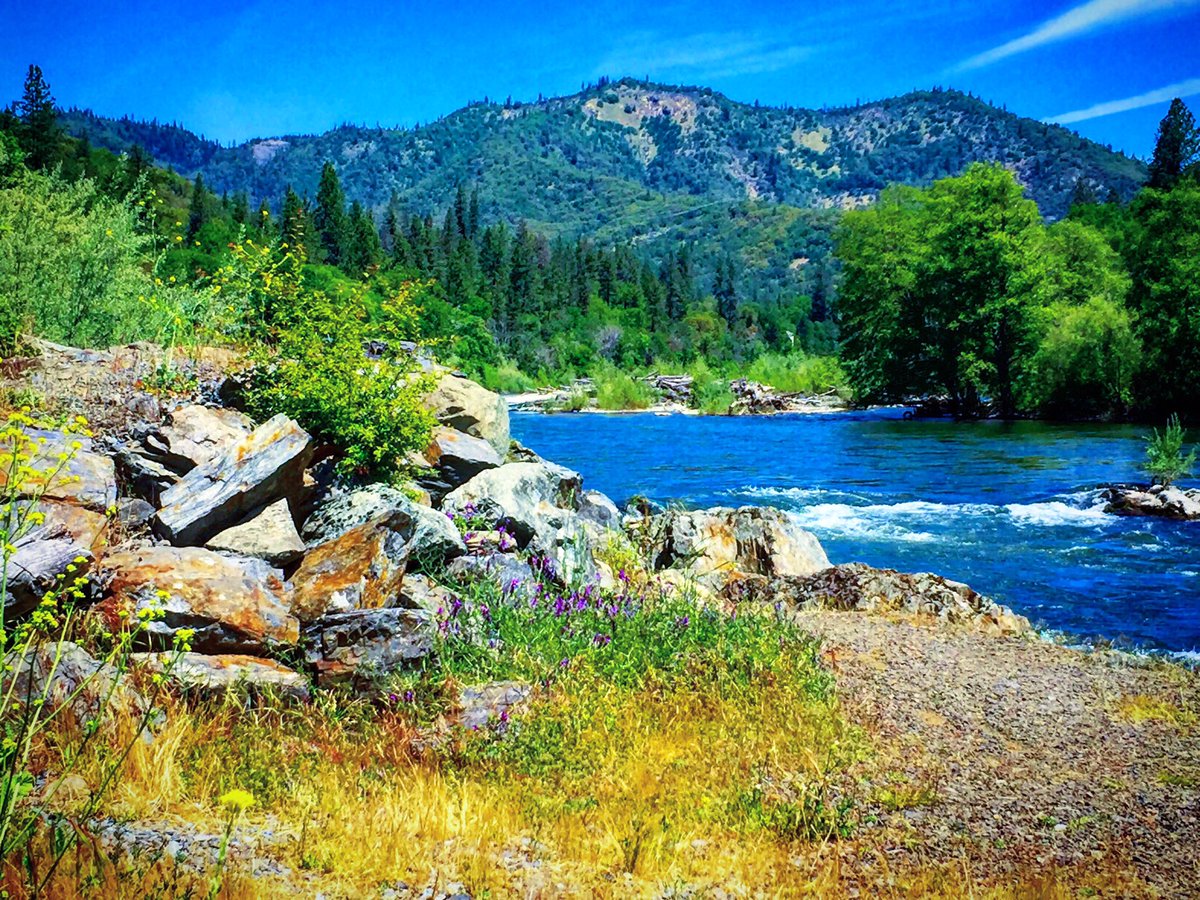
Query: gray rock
[86, 478]
[363, 647]
[471, 408]
[434, 540]
[233, 605]
[41, 556]
[215, 676]
[598, 509]
[270, 535]
[859, 587]
[134, 514]
[1166, 502]
[534, 502]
[714, 544]
[195, 435]
[143, 475]
[422, 592]
[504, 569]
[74, 685]
[454, 459]
[262, 467]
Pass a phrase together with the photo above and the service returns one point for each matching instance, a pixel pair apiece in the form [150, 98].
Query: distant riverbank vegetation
[959, 290]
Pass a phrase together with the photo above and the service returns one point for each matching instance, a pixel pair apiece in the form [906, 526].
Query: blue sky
[238, 70]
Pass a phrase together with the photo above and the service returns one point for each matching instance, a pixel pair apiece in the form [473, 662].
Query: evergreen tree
[329, 222]
[39, 133]
[522, 276]
[725, 290]
[361, 250]
[1175, 148]
[1083, 194]
[263, 220]
[473, 215]
[197, 211]
[240, 209]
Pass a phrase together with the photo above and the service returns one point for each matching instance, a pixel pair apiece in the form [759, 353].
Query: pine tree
[39, 133]
[240, 210]
[473, 215]
[263, 220]
[197, 211]
[725, 290]
[361, 251]
[329, 217]
[1175, 148]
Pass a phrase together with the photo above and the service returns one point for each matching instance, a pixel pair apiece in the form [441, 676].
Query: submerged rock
[233, 605]
[1165, 502]
[263, 466]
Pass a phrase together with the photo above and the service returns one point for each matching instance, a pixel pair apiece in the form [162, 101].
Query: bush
[795, 373]
[74, 267]
[616, 390]
[1165, 460]
[311, 365]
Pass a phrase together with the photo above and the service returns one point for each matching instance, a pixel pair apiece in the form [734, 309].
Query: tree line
[962, 291]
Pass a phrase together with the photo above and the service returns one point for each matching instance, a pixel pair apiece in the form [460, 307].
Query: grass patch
[618, 391]
[796, 373]
[1139, 708]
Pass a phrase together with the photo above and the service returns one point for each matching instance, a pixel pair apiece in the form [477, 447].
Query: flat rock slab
[234, 605]
[41, 557]
[195, 435]
[215, 676]
[263, 466]
[456, 458]
[362, 569]
[270, 536]
[363, 647]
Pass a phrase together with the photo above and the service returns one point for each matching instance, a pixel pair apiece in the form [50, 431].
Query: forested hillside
[655, 164]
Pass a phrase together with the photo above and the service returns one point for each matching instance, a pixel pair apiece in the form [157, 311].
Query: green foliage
[796, 373]
[1165, 459]
[1176, 147]
[75, 264]
[311, 365]
[617, 390]
[961, 290]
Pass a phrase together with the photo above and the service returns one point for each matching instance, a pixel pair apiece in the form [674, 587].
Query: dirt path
[1016, 755]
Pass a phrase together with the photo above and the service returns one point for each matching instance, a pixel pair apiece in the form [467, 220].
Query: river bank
[407, 683]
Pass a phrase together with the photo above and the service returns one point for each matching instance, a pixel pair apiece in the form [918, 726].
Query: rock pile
[226, 528]
[1156, 500]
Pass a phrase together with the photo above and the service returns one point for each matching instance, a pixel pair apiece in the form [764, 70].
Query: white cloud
[1111, 107]
[703, 55]
[1076, 22]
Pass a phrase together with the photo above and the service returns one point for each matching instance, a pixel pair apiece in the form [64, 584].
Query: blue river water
[1013, 509]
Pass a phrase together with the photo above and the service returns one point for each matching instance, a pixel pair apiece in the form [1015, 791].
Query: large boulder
[76, 688]
[504, 569]
[462, 404]
[597, 509]
[534, 502]
[233, 605]
[454, 458]
[67, 467]
[215, 676]
[714, 544]
[434, 539]
[363, 647]
[85, 526]
[361, 569]
[859, 587]
[270, 536]
[43, 557]
[263, 466]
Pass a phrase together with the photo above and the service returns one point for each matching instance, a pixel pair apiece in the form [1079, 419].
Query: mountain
[653, 163]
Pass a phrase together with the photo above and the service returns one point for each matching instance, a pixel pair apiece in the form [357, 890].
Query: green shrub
[616, 390]
[1165, 459]
[795, 373]
[505, 378]
[713, 398]
[75, 267]
[311, 365]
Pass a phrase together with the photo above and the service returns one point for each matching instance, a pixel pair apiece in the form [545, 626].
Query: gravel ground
[1014, 755]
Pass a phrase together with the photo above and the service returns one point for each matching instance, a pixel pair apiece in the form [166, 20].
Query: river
[1013, 509]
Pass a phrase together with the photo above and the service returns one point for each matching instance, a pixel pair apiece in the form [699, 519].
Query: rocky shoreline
[291, 580]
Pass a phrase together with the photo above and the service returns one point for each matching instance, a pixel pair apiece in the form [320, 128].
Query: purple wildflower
[602, 640]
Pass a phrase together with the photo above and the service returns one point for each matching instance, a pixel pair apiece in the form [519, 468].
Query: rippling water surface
[1012, 509]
